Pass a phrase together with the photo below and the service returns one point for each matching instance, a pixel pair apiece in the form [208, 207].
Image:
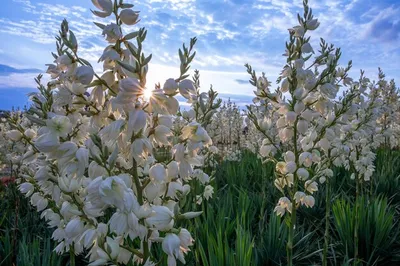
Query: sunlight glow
[148, 92]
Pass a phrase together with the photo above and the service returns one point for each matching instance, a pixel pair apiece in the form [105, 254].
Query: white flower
[291, 167]
[69, 184]
[312, 24]
[311, 186]
[170, 86]
[161, 218]
[84, 74]
[171, 246]
[302, 126]
[104, 5]
[307, 48]
[281, 167]
[291, 117]
[30, 133]
[112, 32]
[14, 135]
[303, 173]
[289, 157]
[299, 197]
[309, 201]
[63, 61]
[137, 121]
[26, 188]
[74, 228]
[208, 192]
[305, 159]
[172, 169]
[298, 31]
[329, 90]
[286, 134]
[185, 239]
[158, 173]
[187, 89]
[59, 125]
[129, 17]
[161, 134]
[285, 86]
[114, 191]
[47, 142]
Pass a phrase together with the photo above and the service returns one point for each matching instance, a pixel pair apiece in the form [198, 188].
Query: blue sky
[230, 32]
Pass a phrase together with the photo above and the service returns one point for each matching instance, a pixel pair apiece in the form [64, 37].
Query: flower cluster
[90, 160]
[318, 117]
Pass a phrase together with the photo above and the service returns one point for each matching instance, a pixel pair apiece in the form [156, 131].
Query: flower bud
[191, 215]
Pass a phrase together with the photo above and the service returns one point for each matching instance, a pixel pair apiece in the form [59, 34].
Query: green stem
[292, 224]
[327, 215]
[71, 256]
[356, 221]
[290, 243]
[139, 188]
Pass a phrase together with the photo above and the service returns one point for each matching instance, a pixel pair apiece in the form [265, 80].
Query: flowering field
[105, 169]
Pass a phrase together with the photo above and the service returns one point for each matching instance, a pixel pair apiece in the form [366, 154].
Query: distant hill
[4, 69]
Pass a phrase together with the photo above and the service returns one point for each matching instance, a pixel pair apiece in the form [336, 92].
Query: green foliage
[377, 230]
[24, 238]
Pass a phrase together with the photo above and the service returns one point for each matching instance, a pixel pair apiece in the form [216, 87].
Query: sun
[147, 93]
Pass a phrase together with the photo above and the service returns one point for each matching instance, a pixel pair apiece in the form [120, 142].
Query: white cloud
[14, 80]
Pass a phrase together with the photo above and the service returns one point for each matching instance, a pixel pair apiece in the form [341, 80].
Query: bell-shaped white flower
[161, 218]
[158, 173]
[311, 186]
[59, 125]
[84, 74]
[129, 17]
[14, 135]
[170, 86]
[187, 89]
[171, 246]
[114, 191]
[74, 228]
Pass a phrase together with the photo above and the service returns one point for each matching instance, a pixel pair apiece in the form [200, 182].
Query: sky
[230, 33]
